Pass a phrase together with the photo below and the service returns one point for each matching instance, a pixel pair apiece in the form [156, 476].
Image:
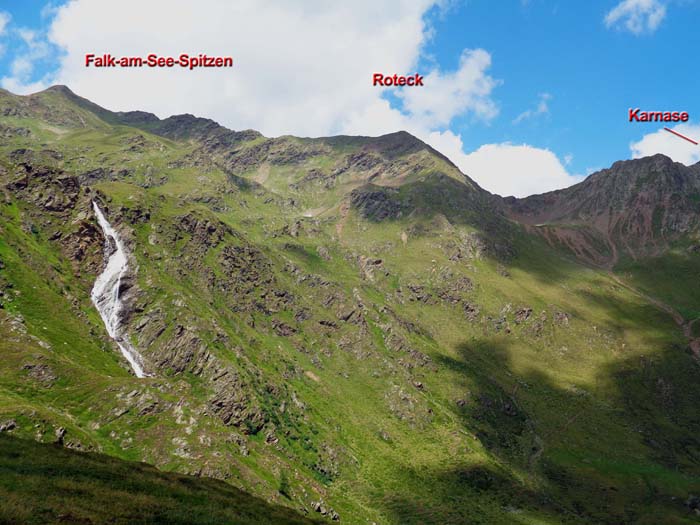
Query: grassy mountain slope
[346, 325]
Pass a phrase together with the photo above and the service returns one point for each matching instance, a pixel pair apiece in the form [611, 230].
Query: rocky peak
[61, 89]
[650, 180]
[136, 118]
[186, 126]
[657, 171]
[645, 202]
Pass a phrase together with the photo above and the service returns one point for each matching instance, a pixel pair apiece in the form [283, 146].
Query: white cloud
[49, 10]
[519, 170]
[675, 147]
[14, 85]
[447, 95]
[542, 108]
[507, 169]
[303, 69]
[4, 21]
[298, 68]
[637, 16]
[34, 48]
[21, 67]
[35, 44]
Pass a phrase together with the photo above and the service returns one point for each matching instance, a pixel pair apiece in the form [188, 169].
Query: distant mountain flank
[638, 207]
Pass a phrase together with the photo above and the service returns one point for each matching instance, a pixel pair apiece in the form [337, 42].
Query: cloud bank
[298, 69]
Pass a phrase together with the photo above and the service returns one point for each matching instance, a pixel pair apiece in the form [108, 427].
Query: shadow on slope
[50, 484]
[625, 450]
[671, 277]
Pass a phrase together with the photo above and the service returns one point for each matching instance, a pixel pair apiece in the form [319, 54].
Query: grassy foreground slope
[347, 321]
[41, 484]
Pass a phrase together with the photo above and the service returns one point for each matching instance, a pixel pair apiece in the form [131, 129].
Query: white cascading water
[105, 295]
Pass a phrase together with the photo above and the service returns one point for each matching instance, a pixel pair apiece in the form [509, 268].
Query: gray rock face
[376, 205]
[8, 425]
[42, 373]
[46, 187]
[232, 404]
[60, 435]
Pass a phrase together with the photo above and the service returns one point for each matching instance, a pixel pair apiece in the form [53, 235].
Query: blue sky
[525, 97]
[592, 73]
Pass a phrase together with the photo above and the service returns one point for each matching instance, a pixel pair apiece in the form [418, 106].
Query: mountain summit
[637, 207]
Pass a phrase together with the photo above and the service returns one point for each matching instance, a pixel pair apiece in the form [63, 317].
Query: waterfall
[105, 295]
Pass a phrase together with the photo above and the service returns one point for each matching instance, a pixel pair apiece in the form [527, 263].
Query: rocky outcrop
[376, 204]
[12, 131]
[369, 266]
[82, 246]
[280, 151]
[45, 187]
[231, 401]
[42, 373]
[183, 351]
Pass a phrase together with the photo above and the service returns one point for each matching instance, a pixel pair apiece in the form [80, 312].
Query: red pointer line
[681, 136]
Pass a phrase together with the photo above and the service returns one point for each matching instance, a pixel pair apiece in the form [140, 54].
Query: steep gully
[105, 295]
